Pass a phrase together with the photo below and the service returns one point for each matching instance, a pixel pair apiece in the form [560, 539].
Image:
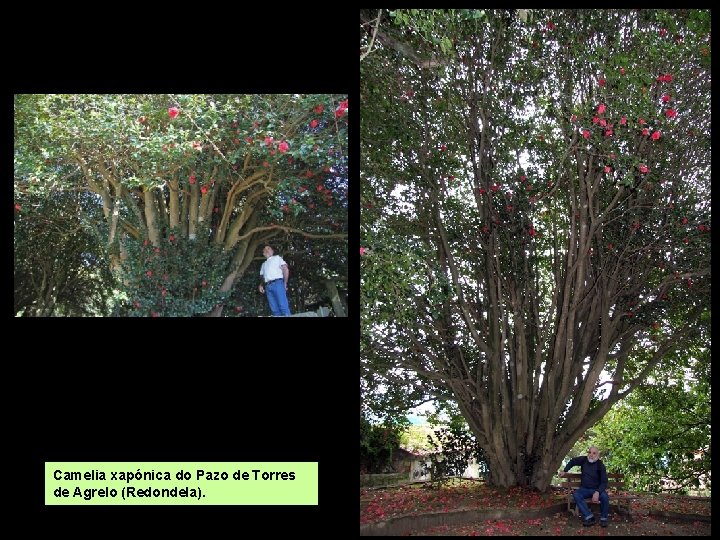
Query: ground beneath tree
[652, 514]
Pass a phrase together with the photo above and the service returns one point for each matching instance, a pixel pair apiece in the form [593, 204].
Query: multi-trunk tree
[191, 186]
[535, 214]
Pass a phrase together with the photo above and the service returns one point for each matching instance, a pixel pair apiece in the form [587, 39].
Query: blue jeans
[277, 298]
[581, 493]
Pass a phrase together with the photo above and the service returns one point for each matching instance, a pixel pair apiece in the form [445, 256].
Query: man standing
[593, 483]
[275, 274]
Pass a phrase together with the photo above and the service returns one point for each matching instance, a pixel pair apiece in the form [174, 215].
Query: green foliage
[377, 444]
[660, 436]
[244, 169]
[452, 448]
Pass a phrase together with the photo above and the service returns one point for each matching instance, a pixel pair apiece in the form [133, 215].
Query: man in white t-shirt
[275, 274]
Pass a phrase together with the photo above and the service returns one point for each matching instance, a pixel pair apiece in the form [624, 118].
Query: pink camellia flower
[623, 121]
[283, 147]
[18, 207]
[601, 108]
[641, 121]
[601, 82]
[249, 140]
[266, 164]
[319, 108]
[148, 273]
[671, 113]
[573, 118]
[204, 190]
[608, 132]
[171, 238]
[645, 132]
[595, 120]
[701, 227]
[173, 112]
[313, 124]
[607, 168]
[157, 250]
[192, 179]
[268, 141]
[666, 98]
[643, 169]
[603, 122]
[656, 136]
[586, 133]
[362, 251]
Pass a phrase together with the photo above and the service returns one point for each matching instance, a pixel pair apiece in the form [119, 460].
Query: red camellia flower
[494, 188]
[603, 122]
[482, 191]
[610, 246]
[641, 121]
[173, 112]
[601, 108]
[362, 251]
[192, 179]
[148, 273]
[141, 119]
[157, 250]
[268, 141]
[643, 169]
[668, 77]
[663, 32]
[608, 132]
[573, 118]
[622, 71]
[204, 190]
[249, 140]
[623, 121]
[171, 238]
[319, 108]
[266, 164]
[163, 292]
[522, 178]
[154, 314]
[595, 120]
[532, 232]
[451, 177]
[313, 124]
[18, 207]
[684, 221]
[272, 152]
[607, 169]
[645, 132]
[656, 136]
[586, 133]
[443, 147]
[283, 147]
[601, 82]
[204, 283]
[550, 25]
[671, 113]
[236, 141]
[666, 98]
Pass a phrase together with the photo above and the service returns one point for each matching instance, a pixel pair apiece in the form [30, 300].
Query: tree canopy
[191, 186]
[535, 214]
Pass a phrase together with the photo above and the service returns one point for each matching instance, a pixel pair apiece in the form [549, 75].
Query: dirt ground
[567, 525]
[652, 514]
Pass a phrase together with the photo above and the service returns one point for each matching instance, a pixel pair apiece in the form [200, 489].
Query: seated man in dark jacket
[593, 483]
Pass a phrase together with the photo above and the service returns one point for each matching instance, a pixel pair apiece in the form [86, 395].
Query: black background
[186, 389]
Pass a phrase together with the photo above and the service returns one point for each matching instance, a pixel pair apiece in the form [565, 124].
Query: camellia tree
[535, 214]
[192, 186]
